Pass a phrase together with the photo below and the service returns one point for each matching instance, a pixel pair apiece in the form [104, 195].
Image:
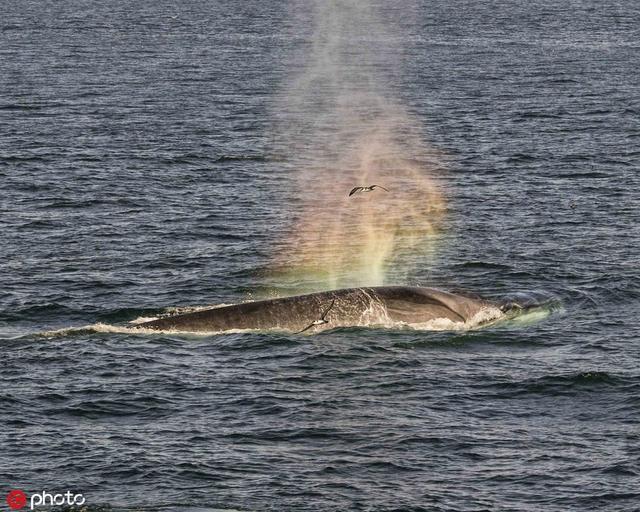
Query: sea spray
[341, 126]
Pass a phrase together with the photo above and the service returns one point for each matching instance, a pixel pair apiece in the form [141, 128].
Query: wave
[20, 107]
[99, 328]
[25, 158]
[234, 158]
[483, 265]
[40, 311]
[560, 384]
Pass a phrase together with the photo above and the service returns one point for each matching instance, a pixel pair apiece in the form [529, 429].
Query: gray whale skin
[351, 307]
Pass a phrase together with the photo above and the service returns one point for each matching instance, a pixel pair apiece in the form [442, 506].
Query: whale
[387, 306]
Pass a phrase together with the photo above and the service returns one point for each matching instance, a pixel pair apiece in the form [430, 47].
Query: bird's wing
[305, 329]
[380, 186]
[326, 311]
[354, 190]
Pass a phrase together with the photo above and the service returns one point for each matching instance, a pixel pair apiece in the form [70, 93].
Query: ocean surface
[139, 173]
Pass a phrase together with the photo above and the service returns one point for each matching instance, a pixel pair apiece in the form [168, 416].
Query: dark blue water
[139, 172]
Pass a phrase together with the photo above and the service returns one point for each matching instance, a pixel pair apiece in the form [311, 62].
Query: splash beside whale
[387, 306]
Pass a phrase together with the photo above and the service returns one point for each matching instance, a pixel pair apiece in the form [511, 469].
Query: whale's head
[519, 303]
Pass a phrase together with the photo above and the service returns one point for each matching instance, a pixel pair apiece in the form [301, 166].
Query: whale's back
[351, 307]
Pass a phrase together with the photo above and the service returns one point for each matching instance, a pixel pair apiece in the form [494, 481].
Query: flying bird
[357, 190]
[321, 320]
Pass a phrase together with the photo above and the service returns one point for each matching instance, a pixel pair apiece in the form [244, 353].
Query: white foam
[143, 319]
[375, 313]
[533, 315]
[119, 329]
[486, 316]
[176, 310]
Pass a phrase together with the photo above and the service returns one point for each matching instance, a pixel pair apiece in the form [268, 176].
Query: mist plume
[342, 128]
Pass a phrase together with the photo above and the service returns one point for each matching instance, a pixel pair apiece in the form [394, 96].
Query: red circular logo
[16, 499]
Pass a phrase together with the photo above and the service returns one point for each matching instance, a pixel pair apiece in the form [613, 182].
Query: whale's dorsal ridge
[350, 307]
